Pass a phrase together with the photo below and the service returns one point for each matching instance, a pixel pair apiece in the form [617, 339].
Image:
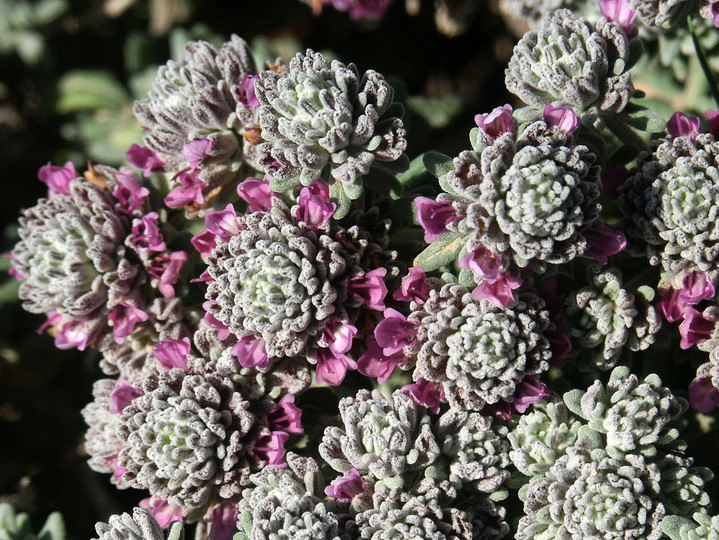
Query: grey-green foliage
[605, 320]
[663, 13]
[15, 526]
[22, 23]
[380, 438]
[569, 61]
[141, 525]
[700, 527]
[322, 118]
[670, 205]
[477, 351]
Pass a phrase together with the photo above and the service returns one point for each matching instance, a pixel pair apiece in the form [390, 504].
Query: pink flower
[414, 287]
[222, 331]
[434, 217]
[697, 287]
[204, 242]
[713, 117]
[172, 353]
[703, 395]
[189, 190]
[369, 288]
[247, 96]
[604, 241]
[286, 416]
[314, 211]
[72, 335]
[618, 11]
[500, 410]
[147, 233]
[58, 178]
[499, 292]
[484, 264]
[395, 332]
[223, 223]
[122, 395]
[331, 367]
[338, 336]
[145, 159]
[270, 449]
[164, 513]
[375, 364]
[256, 193]
[682, 125]
[197, 151]
[529, 390]
[346, 487]
[695, 328]
[563, 117]
[114, 464]
[123, 318]
[251, 352]
[166, 270]
[498, 122]
[130, 196]
[428, 394]
[223, 521]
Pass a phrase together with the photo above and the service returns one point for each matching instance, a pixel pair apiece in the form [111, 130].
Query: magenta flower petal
[250, 352]
[270, 449]
[313, 210]
[484, 264]
[146, 233]
[164, 512]
[166, 270]
[223, 521]
[529, 390]
[620, 12]
[713, 118]
[172, 353]
[188, 191]
[331, 369]
[434, 217]
[223, 223]
[247, 96]
[370, 288]
[346, 487]
[123, 319]
[682, 125]
[204, 242]
[144, 158]
[703, 395]
[58, 178]
[129, 194]
[697, 287]
[286, 416]
[414, 287]
[563, 117]
[428, 394]
[373, 363]
[695, 328]
[498, 122]
[72, 335]
[500, 410]
[122, 395]
[499, 293]
[339, 335]
[196, 152]
[256, 193]
[604, 241]
[394, 332]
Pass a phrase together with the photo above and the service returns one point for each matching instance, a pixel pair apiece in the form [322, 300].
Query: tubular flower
[318, 116]
[140, 526]
[570, 62]
[72, 258]
[200, 100]
[379, 438]
[671, 206]
[477, 351]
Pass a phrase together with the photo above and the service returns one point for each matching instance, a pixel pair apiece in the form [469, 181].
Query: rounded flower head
[477, 351]
[140, 526]
[379, 438]
[568, 61]
[188, 440]
[202, 98]
[318, 116]
[72, 259]
[671, 205]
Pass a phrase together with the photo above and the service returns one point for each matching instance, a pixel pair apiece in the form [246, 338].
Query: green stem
[703, 62]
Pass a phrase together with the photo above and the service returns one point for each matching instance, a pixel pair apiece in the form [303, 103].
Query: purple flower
[338, 336]
[247, 92]
[197, 151]
[347, 486]
[529, 390]
[395, 332]
[695, 328]
[204, 242]
[147, 233]
[500, 410]
[270, 448]
[434, 217]
[130, 196]
[618, 11]
[71, 335]
[223, 521]
[375, 364]
[414, 287]
[144, 158]
[484, 264]
[370, 288]
[250, 352]
[703, 396]
[563, 117]
[713, 120]
[223, 223]
[314, 211]
[604, 241]
[58, 178]
[189, 190]
[166, 270]
[696, 287]
[425, 393]
[172, 353]
[681, 125]
[164, 513]
[122, 395]
[498, 122]
[331, 367]
[222, 331]
[256, 193]
[499, 292]
[286, 416]
[123, 318]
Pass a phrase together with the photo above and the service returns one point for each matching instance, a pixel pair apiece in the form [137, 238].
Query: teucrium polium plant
[305, 334]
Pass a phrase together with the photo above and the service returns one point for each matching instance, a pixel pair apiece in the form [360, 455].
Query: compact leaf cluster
[306, 336]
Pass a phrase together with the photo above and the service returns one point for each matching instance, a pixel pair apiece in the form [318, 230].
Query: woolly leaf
[441, 252]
